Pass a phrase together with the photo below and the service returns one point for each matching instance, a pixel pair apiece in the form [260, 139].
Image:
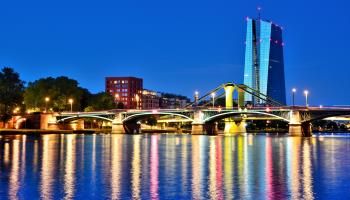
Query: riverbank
[40, 132]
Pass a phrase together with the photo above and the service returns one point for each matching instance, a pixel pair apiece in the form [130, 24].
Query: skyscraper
[264, 66]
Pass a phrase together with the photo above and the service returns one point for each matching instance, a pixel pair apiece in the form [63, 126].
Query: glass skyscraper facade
[264, 66]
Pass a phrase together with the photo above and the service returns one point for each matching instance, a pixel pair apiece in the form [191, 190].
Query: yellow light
[47, 99]
[70, 101]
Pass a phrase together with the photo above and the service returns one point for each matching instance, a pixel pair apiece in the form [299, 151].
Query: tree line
[47, 94]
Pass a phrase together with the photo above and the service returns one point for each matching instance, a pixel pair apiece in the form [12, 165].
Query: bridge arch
[233, 113]
[141, 115]
[321, 117]
[72, 118]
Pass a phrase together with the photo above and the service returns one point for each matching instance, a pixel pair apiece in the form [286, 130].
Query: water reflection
[154, 159]
[115, 165]
[14, 183]
[136, 168]
[196, 167]
[47, 167]
[173, 167]
[69, 173]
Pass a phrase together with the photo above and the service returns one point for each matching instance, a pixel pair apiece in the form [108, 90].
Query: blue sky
[175, 46]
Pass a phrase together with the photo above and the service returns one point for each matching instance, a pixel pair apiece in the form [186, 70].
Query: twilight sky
[175, 46]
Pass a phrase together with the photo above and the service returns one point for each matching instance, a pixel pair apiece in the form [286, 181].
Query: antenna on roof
[259, 11]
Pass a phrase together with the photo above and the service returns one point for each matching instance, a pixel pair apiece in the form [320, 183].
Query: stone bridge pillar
[117, 124]
[198, 124]
[229, 123]
[235, 127]
[294, 123]
[48, 121]
[296, 128]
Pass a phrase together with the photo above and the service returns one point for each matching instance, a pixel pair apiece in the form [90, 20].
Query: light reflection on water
[173, 167]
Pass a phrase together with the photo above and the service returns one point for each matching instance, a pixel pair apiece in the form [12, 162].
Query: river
[174, 166]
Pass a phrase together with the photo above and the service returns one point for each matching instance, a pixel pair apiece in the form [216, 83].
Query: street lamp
[47, 99]
[196, 96]
[71, 104]
[116, 99]
[293, 94]
[137, 98]
[16, 110]
[306, 95]
[213, 97]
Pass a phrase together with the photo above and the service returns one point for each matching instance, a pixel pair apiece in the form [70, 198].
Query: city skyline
[200, 49]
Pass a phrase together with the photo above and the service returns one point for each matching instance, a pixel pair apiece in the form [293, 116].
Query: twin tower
[264, 66]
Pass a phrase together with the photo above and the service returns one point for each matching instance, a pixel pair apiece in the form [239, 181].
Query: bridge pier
[132, 128]
[235, 127]
[294, 124]
[197, 129]
[296, 128]
[306, 129]
[117, 125]
[211, 128]
[198, 124]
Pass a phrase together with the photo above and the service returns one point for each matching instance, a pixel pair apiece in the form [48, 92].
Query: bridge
[203, 119]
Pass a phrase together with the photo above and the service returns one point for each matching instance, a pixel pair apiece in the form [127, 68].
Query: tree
[11, 93]
[101, 101]
[120, 105]
[59, 90]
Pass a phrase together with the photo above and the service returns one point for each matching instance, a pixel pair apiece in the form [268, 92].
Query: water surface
[168, 166]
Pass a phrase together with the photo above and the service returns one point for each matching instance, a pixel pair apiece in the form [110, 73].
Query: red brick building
[127, 90]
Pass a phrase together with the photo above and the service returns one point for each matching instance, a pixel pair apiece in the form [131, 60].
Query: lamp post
[293, 94]
[196, 96]
[71, 104]
[116, 99]
[137, 101]
[213, 97]
[306, 95]
[47, 99]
